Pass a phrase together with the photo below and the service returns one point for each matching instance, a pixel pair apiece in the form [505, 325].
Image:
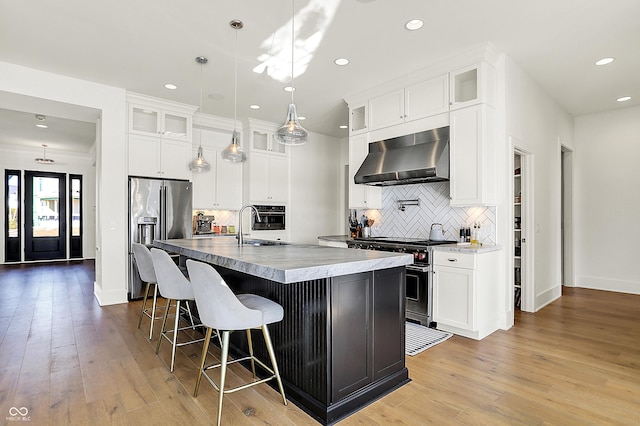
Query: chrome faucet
[239, 236]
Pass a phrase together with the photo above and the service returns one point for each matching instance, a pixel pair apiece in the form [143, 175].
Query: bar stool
[220, 309]
[148, 275]
[173, 285]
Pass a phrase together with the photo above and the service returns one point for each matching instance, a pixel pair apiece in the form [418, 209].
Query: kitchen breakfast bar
[341, 344]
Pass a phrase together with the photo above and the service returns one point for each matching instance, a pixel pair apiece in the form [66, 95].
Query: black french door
[45, 218]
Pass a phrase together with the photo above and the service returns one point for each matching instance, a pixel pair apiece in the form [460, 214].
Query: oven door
[418, 294]
[272, 218]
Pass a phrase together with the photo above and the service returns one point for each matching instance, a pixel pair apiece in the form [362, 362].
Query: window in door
[75, 216]
[12, 216]
[45, 215]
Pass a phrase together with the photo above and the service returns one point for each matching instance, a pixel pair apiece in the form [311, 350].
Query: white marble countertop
[468, 248]
[286, 263]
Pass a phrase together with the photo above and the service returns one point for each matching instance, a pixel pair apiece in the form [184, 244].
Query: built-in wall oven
[272, 218]
[419, 275]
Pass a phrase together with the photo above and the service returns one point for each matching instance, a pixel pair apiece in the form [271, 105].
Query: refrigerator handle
[163, 212]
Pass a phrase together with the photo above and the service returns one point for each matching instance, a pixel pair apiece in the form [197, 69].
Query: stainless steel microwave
[272, 218]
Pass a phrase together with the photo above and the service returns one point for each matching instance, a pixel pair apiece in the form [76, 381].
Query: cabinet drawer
[455, 260]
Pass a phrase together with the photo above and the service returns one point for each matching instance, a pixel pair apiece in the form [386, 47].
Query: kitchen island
[341, 344]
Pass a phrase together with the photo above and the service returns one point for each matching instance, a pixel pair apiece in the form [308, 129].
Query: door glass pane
[13, 211]
[46, 207]
[75, 207]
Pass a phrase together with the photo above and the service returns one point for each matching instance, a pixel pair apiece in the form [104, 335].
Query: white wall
[607, 199]
[21, 158]
[539, 126]
[316, 173]
[111, 153]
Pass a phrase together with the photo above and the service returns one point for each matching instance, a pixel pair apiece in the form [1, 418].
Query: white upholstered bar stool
[220, 309]
[173, 285]
[147, 275]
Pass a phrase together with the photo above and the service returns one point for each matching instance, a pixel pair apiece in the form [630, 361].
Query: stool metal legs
[144, 311]
[176, 329]
[275, 373]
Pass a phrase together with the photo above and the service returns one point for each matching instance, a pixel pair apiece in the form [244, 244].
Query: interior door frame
[30, 253]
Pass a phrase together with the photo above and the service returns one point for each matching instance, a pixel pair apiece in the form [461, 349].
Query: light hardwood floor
[69, 361]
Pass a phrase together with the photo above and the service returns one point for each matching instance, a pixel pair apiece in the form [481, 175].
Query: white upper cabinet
[361, 196]
[149, 120]
[427, 98]
[359, 118]
[413, 102]
[159, 136]
[265, 141]
[221, 187]
[472, 147]
[473, 85]
[267, 168]
[386, 110]
[158, 158]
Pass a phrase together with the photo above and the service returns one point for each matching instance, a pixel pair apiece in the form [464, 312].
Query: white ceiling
[141, 45]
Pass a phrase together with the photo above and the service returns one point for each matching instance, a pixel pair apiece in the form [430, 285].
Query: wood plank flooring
[69, 361]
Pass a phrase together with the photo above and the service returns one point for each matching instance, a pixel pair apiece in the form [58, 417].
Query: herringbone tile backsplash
[415, 221]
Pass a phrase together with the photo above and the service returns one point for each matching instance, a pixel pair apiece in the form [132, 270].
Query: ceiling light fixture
[291, 132]
[171, 86]
[414, 24]
[341, 61]
[623, 99]
[605, 61]
[42, 126]
[254, 106]
[44, 159]
[199, 164]
[233, 153]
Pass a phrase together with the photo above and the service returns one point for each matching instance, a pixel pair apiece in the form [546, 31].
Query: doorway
[566, 217]
[45, 215]
[523, 287]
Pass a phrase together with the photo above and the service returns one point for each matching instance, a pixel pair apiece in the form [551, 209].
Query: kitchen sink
[258, 243]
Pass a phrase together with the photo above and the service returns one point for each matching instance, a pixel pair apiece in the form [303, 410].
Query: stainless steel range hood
[416, 158]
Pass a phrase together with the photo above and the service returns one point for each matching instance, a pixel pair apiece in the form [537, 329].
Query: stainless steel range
[419, 285]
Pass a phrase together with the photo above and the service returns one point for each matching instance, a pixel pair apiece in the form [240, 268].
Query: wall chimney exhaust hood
[415, 158]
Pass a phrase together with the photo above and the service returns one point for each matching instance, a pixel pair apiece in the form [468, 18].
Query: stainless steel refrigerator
[158, 210]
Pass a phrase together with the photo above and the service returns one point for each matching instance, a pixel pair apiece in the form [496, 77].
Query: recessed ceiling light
[341, 61]
[254, 106]
[290, 89]
[302, 117]
[344, 126]
[171, 86]
[42, 126]
[605, 61]
[623, 99]
[414, 24]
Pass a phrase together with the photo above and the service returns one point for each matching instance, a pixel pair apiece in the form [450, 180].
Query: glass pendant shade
[291, 132]
[233, 153]
[199, 165]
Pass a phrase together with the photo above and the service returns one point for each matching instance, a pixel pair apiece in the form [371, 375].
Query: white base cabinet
[465, 293]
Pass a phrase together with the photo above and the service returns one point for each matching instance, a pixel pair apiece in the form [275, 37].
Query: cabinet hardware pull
[452, 260]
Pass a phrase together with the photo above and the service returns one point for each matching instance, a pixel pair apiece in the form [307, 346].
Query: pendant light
[199, 164]
[291, 132]
[233, 153]
[44, 159]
